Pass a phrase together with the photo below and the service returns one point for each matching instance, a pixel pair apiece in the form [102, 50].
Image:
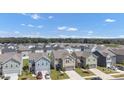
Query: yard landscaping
[112, 45]
[120, 64]
[117, 76]
[106, 70]
[56, 75]
[25, 62]
[88, 78]
[26, 76]
[83, 73]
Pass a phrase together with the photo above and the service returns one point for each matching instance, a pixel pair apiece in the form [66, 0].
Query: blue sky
[62, 25]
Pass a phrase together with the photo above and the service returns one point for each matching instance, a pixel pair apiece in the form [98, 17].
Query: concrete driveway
[101, 74]
[74, 75]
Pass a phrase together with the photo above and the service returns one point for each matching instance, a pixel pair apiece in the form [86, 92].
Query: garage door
[92, 66]
[69, 68]
[13, 76]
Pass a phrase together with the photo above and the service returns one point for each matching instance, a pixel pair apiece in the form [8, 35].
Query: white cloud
[30, 25]
[50, 17]
[72, 29]
[23, 24]
[40, 26]
[90, 32]
[16, 32]
[109, 20]
[65, 28]
[62, 28]
[35, 16]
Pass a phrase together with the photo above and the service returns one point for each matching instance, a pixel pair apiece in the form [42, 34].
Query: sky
[62, 25]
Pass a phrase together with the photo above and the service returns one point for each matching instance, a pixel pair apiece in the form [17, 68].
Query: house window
[16, 65]
[42, 63]
[11, 65]
[38, 64]
[6, 66]
[67, 61]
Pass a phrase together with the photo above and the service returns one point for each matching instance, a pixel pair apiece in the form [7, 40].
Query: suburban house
[8, 50]
[105, 58]
[84, 59]
[37, 49]
[39, 62]
[24, 50]
[10, 63]
[119, 52]
[63, 60]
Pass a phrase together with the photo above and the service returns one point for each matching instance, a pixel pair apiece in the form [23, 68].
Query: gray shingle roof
[60, 54]
[7, 56]
[119, 51]
[37, 56]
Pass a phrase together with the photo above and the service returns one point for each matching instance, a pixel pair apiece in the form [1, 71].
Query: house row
[60, 59]
[13, 63]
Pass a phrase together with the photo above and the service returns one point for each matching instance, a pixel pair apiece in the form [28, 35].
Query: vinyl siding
[42, 65]
[11, 67]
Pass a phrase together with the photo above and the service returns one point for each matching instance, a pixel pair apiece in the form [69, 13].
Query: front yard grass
[25, 62]
[83, 73]
[106, 70]
[56, 75]
[112, 45]
[88, 78]
[26, 76]
[117, 76]
[120, 64]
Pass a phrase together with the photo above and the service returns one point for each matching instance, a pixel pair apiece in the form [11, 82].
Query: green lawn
[112, 45]
[106, 70]
[25, 62]
[120, 64]
[83, 73]
[87, 78]
[120, 75]
[26, 75]
[56, 75]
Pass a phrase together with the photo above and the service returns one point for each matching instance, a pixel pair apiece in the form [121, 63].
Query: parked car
[47, 76]
[39, 75]
[7, 78]
[96, 78]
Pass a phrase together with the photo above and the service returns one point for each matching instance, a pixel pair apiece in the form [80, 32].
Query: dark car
[39, 75]
[7, 78]
[96, 78]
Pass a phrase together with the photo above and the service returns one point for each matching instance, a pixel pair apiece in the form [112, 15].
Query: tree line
[62, 40]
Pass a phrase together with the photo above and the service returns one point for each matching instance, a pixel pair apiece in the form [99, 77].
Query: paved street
[101, 74]
[74, 75]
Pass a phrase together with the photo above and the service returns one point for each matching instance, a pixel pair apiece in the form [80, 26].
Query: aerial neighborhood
[61, 61]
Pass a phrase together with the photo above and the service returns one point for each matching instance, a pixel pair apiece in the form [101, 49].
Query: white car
[47, 76]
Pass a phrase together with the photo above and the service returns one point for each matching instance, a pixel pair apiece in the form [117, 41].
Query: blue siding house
[10, 63]
[39, 63]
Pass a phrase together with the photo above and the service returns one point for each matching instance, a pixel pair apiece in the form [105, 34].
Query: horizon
[62, 25]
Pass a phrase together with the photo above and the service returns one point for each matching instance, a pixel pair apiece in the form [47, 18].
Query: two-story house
[63, 59]
[84, 59]
[105, 58]
[39, 62]
[10, 63]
